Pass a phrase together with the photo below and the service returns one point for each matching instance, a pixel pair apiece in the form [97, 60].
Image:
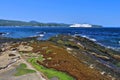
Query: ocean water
[109, 37]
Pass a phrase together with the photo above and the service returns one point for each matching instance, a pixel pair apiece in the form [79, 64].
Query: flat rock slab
[9, 75]
[25, 48]
[24, 77]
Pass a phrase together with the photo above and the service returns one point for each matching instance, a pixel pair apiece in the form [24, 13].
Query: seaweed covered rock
[91, 53]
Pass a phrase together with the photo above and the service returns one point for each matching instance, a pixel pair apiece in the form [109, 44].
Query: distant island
[30, 23]
[16, 23]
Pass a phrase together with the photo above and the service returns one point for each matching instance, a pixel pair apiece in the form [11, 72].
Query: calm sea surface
[109, 37]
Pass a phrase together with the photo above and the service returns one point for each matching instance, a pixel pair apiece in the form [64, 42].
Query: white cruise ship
[81, 25]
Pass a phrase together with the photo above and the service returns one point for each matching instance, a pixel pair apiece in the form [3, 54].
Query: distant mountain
[31, 23]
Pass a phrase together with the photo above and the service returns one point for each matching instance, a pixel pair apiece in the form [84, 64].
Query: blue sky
[102, 12]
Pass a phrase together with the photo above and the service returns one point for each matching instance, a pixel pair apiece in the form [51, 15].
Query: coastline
[83, 50]
[99, 34]
[94, 40]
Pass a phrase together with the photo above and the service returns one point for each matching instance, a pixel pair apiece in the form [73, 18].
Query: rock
[116, 57]
[54, 78]
[101, 56]
[44, 48]
[1, 33]
[91, 66]
[103, 73]
[69, 49]
[71, 39]
[3, 49]
[12, 55]
[80, 45]
[0, 50]
[49, 58]
[13, 49]
[25, 48]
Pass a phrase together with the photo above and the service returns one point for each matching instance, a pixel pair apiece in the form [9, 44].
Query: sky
[100, 12]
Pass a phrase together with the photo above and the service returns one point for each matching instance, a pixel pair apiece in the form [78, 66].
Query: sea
[108, 37]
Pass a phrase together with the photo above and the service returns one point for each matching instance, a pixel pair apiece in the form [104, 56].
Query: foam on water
[92, 39]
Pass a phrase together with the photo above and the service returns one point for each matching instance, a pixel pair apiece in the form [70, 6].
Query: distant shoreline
[30, 23]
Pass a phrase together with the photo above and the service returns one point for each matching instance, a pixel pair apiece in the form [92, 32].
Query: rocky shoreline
[92, 54]
[76, 56]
